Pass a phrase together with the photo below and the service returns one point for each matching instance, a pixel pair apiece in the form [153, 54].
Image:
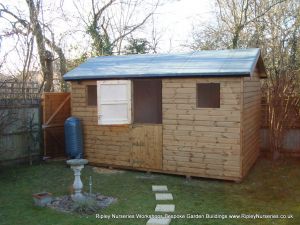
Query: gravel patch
[92, 204]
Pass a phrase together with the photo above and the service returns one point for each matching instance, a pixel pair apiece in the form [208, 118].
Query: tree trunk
[62, 63]
[46, 68]
[49, 68]
[236, 37]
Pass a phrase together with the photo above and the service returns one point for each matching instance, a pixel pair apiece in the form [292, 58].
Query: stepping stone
[163, 196]
[159, 188]
[165, 208]
[159, 221]
[145, 177]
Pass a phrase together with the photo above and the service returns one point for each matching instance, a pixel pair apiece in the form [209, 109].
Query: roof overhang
[259, 67]
[147, 76]
[215, 63]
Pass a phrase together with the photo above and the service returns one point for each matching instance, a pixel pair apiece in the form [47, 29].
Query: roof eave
[259, 64]
[148, 76]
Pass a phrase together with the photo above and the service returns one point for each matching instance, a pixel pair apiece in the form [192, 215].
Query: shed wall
[251, 121]
[195, 141]
[202, 141]
[102, 144]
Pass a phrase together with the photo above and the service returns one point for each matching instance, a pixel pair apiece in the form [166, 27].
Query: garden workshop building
[194, 114]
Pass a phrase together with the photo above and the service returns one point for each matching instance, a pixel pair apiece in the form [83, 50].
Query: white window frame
[127, 101]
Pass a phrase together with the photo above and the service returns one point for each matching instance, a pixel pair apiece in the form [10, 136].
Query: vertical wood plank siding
[251, 121]
[200, 140]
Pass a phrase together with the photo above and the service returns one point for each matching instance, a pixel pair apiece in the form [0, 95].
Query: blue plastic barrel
[73, 138]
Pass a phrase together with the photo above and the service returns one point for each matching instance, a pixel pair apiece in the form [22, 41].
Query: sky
[179, 17]
[174, 20]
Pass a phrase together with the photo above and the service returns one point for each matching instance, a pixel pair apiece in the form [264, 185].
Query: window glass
[92, 95]
[208, 95]
[147, 101]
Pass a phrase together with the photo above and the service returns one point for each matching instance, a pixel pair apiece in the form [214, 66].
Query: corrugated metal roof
[236, 62]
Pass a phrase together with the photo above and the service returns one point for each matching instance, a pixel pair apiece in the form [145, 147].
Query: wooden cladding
[207, 141]
[219, 140]
[250, 122]
[56, 109]
[147, 101]
[91, 97]
[146, 151]
[208, 95]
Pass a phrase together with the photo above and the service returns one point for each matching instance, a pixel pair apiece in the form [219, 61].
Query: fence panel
[20, 126]
[291, 141]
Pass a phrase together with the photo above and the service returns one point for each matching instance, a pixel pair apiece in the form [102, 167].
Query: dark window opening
[147, 101]
[208, 95]
[91, 95]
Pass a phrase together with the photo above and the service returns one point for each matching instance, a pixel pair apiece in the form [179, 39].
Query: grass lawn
[269, 189]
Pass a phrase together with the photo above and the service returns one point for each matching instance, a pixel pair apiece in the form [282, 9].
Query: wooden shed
[195, 114]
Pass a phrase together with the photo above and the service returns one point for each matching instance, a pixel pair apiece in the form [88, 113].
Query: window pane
[114, 114]
[147, 97]
[114, 102]
[208, 95]
[114, 92]
[92, 95]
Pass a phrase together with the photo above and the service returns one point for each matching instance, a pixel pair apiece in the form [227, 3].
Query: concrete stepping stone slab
[163, 196]
[165, 208]
[159, 221]
[159, 188]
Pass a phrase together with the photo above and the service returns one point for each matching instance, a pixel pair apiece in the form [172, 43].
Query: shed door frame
[146, 134]
[147, 100]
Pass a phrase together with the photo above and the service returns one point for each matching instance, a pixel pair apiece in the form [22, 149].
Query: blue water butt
[73, 138]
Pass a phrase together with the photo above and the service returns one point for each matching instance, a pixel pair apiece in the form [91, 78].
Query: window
[208, 95]
[114, 102]
[147, 101]
[91, 95]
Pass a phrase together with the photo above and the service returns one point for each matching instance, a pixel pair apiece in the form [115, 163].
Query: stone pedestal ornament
[77, 165]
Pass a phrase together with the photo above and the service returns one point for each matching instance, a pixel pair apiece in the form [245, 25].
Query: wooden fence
[264, 115]
[291, 142]
[56, 109]
[19, 122]
[19, 93]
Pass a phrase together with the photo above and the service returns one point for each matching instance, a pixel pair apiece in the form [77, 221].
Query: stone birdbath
[77, 165]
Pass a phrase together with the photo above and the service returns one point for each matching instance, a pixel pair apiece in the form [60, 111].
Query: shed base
[235, 179]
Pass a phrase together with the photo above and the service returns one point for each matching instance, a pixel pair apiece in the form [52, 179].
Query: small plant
[88, 206]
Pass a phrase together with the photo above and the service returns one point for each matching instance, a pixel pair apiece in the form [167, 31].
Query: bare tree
[33, 25]
[156, 36]
[62, 59]
[109, 23]
[283, 104]
[233, 20]
[44, 56]
[23, 48]
[273, 26]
